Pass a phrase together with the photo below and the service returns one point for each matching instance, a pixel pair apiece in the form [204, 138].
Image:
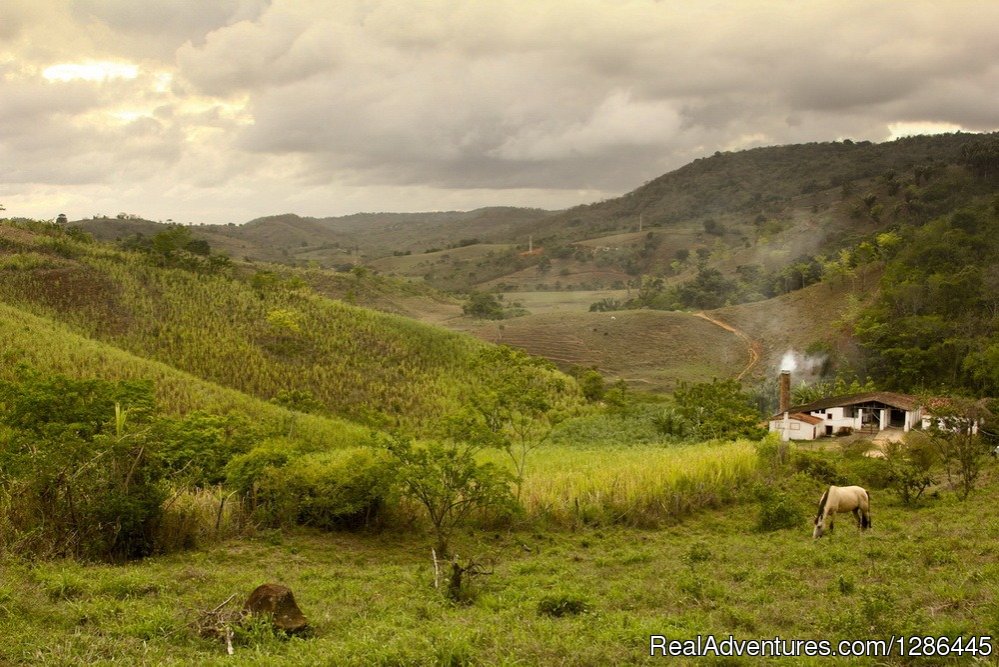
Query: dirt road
[753, 346]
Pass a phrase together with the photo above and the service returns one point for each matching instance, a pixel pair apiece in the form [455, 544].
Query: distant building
[874, 411]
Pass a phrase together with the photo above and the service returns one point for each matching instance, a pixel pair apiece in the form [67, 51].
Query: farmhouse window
[795, 426]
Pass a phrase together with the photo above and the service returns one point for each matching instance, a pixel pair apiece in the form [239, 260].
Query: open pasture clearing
[928, 571]
[576, 301]
[647, 349]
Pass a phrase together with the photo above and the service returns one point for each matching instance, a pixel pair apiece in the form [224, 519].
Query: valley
[504, 436]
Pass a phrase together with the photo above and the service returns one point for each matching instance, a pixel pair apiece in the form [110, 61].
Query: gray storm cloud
[350, 101]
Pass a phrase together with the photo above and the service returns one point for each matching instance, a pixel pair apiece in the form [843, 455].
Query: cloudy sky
[224, 110]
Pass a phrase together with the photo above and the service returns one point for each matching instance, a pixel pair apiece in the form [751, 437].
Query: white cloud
[218, 110]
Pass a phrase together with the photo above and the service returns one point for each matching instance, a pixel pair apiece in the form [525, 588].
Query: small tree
[909, 466]
[447, 481]
[955, 432]
[171, 240]
[483, 305]
[717, 409]
[518, 409]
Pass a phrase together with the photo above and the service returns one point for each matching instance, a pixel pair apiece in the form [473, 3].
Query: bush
[908, 466]
[201, 445]
[818, 466]
[243, 471]
[778, 510]
[76, 480]
[328, 490]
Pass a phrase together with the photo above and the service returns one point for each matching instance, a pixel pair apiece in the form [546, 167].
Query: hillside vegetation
[262, 334]
[177, 427]
[334, 241]
[42, 344]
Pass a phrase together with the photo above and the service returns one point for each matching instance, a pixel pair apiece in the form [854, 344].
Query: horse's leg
[856, 515]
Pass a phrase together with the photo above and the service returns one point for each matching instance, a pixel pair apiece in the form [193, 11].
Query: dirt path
[753, 346]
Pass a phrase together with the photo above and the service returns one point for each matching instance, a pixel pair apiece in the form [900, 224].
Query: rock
[277, 602]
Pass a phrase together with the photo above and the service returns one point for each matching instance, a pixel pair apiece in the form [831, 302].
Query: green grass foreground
[927, 571]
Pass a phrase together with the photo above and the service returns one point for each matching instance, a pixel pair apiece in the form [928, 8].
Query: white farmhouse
[874, 411]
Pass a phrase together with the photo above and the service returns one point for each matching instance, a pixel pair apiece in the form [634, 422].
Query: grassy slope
[378, 292]
[649, 349]
[357, 362]
[53, 347]
[793, 321]
[929, 571]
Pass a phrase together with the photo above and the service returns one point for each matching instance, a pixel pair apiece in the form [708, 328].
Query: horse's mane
[822, 504]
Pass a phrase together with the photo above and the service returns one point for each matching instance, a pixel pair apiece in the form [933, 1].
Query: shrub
[243, 471]
[75, 482]
[328, 490]
[201, 444]
[778, 510]
[909, 466]
[818, 466]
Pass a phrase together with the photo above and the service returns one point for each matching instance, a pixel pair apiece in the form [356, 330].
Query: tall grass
[194, 518]
[638, 486]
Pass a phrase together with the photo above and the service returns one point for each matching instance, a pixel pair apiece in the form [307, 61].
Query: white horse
[842, 499]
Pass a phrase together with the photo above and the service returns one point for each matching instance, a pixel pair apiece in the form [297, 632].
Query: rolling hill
[335, 241]
[46, 345]
[768, 222]
[259, 332]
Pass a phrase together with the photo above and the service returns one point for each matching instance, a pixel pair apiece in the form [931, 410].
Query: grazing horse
[842, 499]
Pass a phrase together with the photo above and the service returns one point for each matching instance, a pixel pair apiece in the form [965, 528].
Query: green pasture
[370, 598]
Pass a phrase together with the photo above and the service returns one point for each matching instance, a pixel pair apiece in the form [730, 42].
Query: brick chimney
[785, 390]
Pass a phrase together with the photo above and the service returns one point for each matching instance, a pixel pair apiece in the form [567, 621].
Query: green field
[369, 596]
[565, 301]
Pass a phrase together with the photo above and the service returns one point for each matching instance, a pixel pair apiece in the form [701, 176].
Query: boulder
[278, 602]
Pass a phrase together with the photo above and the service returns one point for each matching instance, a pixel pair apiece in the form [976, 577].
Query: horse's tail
[865, 513]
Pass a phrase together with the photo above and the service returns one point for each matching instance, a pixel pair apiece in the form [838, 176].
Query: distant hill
[762, 208]
[337, 241]
[749, 183]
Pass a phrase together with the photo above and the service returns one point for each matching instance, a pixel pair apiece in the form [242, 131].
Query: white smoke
[806, 367]
[788, 362]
